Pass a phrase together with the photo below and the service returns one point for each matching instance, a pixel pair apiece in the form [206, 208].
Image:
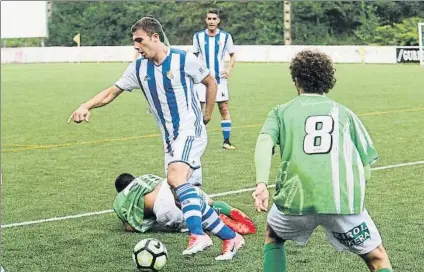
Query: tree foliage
[250, 22]
[404, 33]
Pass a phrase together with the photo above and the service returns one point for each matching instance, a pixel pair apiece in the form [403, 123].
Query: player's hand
[261, 196]
[128, 227]
[226, 73]
[81, 114]
[206, 119]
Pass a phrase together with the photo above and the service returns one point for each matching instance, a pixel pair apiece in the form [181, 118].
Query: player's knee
[177, 174]
[377, 259]
[272, 237]
[223, 109]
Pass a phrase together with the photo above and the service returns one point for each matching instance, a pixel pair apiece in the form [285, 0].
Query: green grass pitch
[52, 169]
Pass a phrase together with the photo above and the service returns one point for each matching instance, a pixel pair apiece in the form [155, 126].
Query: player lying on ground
[148, 202]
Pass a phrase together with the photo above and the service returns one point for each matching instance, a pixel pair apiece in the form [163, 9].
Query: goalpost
[421, 43]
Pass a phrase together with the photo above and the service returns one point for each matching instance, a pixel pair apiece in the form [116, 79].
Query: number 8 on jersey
[318, 138]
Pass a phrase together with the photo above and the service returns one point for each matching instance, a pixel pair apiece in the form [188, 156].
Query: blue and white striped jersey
[169, 91]
[212, 50]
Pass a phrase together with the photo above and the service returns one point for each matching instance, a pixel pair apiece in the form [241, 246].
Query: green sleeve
[117, 207]
[367, 170]
[272, 126]
[129, 206]
[362, 141]
[263, 156]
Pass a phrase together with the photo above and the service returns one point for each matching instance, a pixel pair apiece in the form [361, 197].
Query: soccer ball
[150, 255]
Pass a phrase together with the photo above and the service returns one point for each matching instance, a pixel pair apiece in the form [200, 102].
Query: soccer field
[54, 169]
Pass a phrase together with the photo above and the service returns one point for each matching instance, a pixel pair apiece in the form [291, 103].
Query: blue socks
[190, 205]
[226, 129]
[212, 223]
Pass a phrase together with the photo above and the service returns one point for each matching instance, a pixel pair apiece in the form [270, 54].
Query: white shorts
[168, 215]
[356, 233]
[189, 150]
[221, 94]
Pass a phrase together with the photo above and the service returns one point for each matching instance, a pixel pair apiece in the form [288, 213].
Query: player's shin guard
[191, 207]
[214, 224]
[384, 270]
[226, 129]
[274, 258]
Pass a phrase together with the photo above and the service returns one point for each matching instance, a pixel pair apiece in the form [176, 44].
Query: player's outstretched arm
[211, 89]
[101, 99]
[263, 156]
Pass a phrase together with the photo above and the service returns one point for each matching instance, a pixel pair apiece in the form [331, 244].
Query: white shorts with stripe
[168, 215]
[188, 149]
[356, 233]
[221, 94]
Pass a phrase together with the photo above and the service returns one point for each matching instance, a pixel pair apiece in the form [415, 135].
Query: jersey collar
[217, 32]
[165, 59]
[311, 94]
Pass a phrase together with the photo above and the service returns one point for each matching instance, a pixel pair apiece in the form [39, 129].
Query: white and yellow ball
[150, 255]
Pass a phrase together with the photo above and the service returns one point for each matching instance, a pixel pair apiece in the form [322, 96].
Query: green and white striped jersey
[129, 203]
[324, 148]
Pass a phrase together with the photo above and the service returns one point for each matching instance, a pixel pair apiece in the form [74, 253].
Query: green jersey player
[326, 155]
[147, 201]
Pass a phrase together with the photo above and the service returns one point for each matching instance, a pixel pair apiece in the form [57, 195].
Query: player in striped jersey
[326, 155]
[211, 45]
[136, 56]
[166, 77]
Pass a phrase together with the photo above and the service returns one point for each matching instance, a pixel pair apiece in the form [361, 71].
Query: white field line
[235, 192]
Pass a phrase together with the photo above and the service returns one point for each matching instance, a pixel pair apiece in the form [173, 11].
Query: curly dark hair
[313, 71]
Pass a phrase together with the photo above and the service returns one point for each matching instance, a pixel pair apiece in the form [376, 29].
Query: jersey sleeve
[230, 45]
[362, 141]
[128, 80]
[272, 126]
[117, 208]
[195, 49]
[194, 68]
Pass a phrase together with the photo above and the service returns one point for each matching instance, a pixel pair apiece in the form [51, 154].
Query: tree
[249, 22]
[403, 34]
[369, 22]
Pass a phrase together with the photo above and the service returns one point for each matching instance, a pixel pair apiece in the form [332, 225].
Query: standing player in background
[166, 77]
[326, 155]
[211, 45]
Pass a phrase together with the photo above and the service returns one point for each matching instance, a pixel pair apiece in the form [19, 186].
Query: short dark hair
[149, 25]
[313, 71]
[122, 181]
[213, 11]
